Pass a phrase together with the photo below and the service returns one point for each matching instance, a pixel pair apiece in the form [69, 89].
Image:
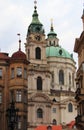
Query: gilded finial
[19, 41]
[35, 3]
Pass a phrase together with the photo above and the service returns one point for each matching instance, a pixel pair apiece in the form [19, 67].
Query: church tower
[39, 103]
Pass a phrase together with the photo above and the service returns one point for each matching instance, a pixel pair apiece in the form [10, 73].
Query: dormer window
[19, 72]
[0, 73]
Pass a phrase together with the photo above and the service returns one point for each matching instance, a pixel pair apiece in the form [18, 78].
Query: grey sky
[16, 15]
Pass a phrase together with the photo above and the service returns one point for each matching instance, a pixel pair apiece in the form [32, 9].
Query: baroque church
[41, 81]
[51, 77]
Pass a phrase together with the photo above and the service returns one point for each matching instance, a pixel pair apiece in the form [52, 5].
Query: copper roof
[19, 55]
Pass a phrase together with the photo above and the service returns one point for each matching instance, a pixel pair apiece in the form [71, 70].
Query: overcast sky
[16, 15]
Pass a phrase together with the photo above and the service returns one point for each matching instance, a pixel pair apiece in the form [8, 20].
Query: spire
[52, 33]
[35, 14]
[19, 42]
[51, 25]
[83, 17]
[35, 26]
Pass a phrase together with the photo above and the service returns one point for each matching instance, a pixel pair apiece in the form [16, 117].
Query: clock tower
[36, 43]
[39, 103]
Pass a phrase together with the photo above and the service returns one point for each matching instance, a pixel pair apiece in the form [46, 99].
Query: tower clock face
[38, 38]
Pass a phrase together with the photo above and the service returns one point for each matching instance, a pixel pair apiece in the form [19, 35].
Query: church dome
[19, 55]
[57, 51]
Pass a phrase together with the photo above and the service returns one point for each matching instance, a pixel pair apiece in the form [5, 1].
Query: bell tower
[35, 40]
[38, 73]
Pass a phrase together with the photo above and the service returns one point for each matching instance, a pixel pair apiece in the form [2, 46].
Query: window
[25, 123]
[70, 107]
[19, 122]
[39, 83]
[25, 73]
[69, 79]
[39, 113]
[54, 122]
[0, 73]
[61, 77]
[28, 54]
[19, 72]
[54, 110]
[18, 96]
[73, 79]
[0, 97]
[12, 72]
[38, 53]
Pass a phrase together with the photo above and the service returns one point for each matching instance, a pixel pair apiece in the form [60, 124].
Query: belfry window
[39, 113]
[39, 83]
[70, 107]
[38, 53]
[61, 77]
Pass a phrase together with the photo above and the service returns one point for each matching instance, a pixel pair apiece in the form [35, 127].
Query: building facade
[41, 81]
[79, 49]
[13, 86]
[51, 77]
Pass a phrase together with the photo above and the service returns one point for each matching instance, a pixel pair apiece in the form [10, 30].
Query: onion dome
[52, 34]
[4, 56]
[19, 55]
[57, 51]
[35, 26]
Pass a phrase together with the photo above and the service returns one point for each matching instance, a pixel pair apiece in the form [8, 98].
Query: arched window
[61, 77]
[54, 122]
[70, 107]
[39, 83]
[69, 79]
[38, 53]
[39, 113]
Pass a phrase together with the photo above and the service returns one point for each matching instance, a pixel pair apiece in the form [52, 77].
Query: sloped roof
[4, 56]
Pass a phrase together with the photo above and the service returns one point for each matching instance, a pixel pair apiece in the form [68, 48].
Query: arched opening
[70, 107]
[38, 53]
[39, 83]
[61, 77]
[39, 113]
[54, 122]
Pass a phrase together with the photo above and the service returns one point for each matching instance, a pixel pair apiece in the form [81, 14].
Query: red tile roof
[58, 127]
[4, 56]
[71, 124]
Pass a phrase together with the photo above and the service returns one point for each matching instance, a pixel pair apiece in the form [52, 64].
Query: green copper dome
[35, 26]
[57, 51]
